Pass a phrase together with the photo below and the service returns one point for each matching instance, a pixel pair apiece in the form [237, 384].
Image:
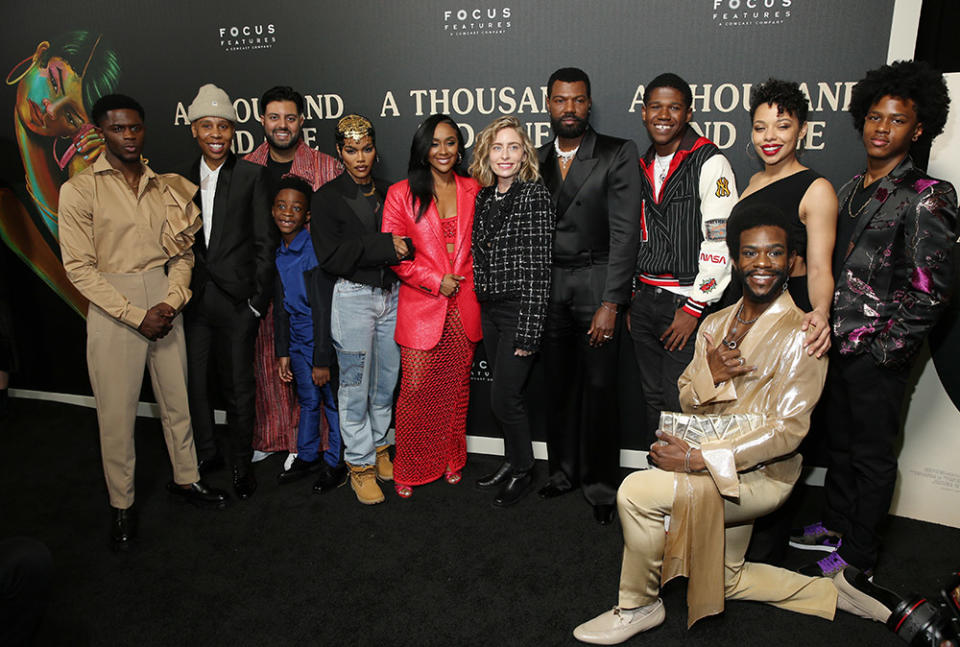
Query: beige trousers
[643, 500]
[116, 355]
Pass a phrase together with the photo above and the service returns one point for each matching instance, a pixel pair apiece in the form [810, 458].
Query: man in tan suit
[125, 236]
[749, 358]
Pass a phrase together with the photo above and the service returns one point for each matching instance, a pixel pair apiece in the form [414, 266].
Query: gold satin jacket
[785, 388]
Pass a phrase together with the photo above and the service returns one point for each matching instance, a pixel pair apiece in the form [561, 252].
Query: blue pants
[310, 397]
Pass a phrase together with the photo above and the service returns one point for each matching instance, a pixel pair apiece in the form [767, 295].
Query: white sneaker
[259, 455]
[617, 625]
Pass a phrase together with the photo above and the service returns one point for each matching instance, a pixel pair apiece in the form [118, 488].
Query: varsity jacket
[683, 230]
[512, 254]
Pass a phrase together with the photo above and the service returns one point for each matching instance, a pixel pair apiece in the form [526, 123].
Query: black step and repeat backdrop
[396, 63]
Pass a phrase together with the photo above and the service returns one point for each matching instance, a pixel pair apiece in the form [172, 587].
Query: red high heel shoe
[452, 476]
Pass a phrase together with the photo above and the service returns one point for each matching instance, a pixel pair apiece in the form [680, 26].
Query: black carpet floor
[289, 567]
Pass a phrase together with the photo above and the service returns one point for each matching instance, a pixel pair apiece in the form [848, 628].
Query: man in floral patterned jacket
[894, 265]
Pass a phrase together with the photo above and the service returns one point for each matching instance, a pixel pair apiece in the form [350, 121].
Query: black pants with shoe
[510, 376]
[583, 433]
[864, 413]
[221, 333]
[651, 313]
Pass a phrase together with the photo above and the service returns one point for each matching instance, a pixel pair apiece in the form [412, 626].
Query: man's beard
[569, 132]
[293, 141]
[776, 289]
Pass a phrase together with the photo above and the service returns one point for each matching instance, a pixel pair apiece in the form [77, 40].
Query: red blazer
[422, 309]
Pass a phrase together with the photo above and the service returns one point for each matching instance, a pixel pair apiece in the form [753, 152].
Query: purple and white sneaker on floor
[829, 566]
[815, 537]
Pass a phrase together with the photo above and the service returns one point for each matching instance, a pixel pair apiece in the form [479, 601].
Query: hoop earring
[459, 157]
[13, 80]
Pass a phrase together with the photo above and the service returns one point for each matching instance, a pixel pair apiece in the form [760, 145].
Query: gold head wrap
[354, 127]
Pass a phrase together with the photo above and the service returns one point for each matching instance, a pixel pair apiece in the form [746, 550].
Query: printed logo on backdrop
[243, 38]
[751, 13]
[480, 372]
[477, 21]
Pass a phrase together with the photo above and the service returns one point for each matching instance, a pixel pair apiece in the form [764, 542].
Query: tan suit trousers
[116, 355]
[643, 500]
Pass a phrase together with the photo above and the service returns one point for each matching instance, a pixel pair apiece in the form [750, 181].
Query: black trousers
[510, 376]
[26, 572]
[583, 417]
[221, 335]
[864, 413]
[651, 313]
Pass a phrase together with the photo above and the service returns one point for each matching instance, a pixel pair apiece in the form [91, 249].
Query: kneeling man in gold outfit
[750, 359]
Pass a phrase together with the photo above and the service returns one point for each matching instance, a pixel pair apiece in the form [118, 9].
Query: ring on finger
[739, 361]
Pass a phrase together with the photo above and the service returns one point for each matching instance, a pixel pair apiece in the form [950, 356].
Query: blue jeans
[362, 324]
[311, 396]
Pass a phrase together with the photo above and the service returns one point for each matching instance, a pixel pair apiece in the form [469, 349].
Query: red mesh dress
[434, 394]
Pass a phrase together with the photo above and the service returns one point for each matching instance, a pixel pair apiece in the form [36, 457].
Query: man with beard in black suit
[595, 184]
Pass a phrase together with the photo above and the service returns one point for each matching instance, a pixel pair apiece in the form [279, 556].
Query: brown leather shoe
[384, 466]
[363, 481]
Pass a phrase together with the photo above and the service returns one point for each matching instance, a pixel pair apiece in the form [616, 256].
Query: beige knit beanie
[211, 101]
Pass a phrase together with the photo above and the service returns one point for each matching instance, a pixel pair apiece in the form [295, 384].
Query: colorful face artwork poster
[56, 85]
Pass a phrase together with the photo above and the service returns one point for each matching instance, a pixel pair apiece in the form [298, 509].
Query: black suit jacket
[239, 259]
[598, 207]
[345, 243]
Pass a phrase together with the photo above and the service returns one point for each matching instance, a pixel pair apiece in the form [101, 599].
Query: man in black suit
[232, 281]
[595, 184]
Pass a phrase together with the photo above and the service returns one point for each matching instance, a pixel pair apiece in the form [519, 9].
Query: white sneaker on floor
[617, 625]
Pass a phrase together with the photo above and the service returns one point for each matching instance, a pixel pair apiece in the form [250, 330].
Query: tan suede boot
[363, 480]
[384, 466]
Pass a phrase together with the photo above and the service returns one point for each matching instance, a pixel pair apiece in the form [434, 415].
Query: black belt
[583, 259]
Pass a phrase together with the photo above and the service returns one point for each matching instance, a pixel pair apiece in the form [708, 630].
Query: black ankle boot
[514, 489]
[495, 478]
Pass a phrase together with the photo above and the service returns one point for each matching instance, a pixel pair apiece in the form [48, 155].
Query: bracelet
[686, 460]
[604, 305]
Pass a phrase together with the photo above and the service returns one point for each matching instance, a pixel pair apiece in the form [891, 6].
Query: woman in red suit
[438, 317]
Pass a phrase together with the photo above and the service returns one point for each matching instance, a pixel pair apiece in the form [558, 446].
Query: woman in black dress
[778, 110]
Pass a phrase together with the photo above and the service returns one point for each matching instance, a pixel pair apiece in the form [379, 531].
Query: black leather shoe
[210, 465]
[495, 478]
[299, 469]
[123, 529]
[604, 513]
[514, 489]
[244, 484]
[199, 494]
[330, 478]
[551, 490]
